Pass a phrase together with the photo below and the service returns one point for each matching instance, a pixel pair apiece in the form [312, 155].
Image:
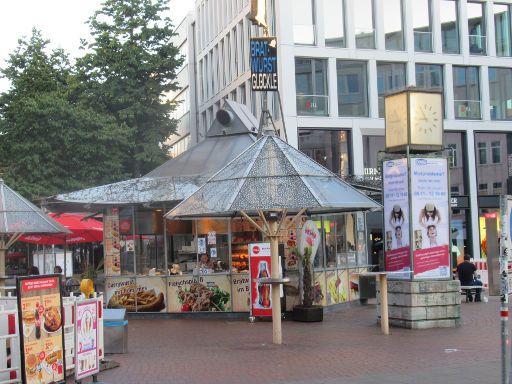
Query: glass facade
[456, 160]
[502, 29]
[334, 23]
[352, 84]
[390, 77]
[449, 26]
[304, 22]
[500, 87]
[364, 23]
[327, 147]
[422, 25]
[493, 151]
[393, 25]
[311, 86]
[372, 145]
[429, 76]
[476, 28]
[466, 92]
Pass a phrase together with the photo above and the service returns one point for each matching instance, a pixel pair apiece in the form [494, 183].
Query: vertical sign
[396, 217]
[264, 63]
[40, 320]
[86, 345]
[259, 265]
[431, 216]
[111, 243]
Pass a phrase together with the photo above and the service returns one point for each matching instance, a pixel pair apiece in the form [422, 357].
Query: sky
[61, 21]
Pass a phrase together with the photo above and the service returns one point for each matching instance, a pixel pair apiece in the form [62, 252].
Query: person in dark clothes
[33, 270]
[466, 272]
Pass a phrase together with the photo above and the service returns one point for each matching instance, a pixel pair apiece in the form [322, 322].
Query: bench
[471, 288]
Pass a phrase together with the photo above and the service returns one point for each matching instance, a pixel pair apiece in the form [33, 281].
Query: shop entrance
[489, 220]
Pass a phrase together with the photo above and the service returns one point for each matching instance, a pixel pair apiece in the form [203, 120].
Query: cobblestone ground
[347, 347]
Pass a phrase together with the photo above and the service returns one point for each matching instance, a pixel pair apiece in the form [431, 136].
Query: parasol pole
[277, 335]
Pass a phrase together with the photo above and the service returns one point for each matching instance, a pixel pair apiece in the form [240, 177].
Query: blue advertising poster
[264, 63]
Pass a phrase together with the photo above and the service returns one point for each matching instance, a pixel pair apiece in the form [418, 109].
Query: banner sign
[309, 238]
[264, 63]
[431, 215]
[86, 345]
[260, 267]
[396, 217]
[111, 243]
[40, 324]
[505, 245]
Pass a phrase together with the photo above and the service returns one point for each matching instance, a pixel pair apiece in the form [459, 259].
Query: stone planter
[308, 314]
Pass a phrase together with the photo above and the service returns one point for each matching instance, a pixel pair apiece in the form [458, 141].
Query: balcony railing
[478, 44]
[313, 105]
[422, 41]
[467, 109]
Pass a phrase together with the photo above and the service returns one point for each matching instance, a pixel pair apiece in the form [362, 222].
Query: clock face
[396, 120]
[426, 118]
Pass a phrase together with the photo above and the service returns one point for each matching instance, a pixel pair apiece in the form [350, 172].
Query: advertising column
[430, 218]
[40, 320]
[396, 217]
[259, 265]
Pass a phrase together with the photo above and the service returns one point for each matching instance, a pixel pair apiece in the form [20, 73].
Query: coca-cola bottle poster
[260, 268]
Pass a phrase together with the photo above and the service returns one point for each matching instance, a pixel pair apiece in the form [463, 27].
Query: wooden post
[384, 321]
[276, 297]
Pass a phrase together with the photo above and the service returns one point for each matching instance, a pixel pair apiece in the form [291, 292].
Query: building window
[452, 159]
[454, 190]
[456, 160]
[393, 25]
[502, 29]
[495, 152]
[364, 24]
[421, 23]
[449, 26]
[482, 189]
[352, 88]
[466, 92]
[476, 28]
[311, 86]
[497, 188]
[334, 23]
[390, 78]
[181, 104]
[327, 147]
[500, 87]
[482, 153]
[303, 22]
[372, 146]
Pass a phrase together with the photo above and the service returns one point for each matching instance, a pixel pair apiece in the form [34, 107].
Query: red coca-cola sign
[125, 225]
[255, 250]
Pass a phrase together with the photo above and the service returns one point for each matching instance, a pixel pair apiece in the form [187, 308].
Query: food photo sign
[111, 242]
[141, 294]
[40, 324]
[86, 345]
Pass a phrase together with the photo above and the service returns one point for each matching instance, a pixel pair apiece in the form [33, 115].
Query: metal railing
[422, 41]
[313, 105]
[467, 109]
[478, 44]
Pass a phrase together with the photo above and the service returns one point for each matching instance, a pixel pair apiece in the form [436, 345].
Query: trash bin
[367, 287]
[115, 330]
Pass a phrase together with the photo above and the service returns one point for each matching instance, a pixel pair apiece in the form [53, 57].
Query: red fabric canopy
[83, 230]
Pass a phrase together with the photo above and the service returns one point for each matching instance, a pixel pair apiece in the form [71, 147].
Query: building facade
[338, 59]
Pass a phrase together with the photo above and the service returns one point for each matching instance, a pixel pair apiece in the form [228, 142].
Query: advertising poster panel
[179, 298]
[41, 329]
[259, 267]
[111, 243]
[336, 290]
[86, 350]
[396, 217]
[241, 292]
[144, 294]
[431, 215]
[319, 297]
[264, 64]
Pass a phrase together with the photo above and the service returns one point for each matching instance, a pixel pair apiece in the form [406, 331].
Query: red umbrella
[83, 230]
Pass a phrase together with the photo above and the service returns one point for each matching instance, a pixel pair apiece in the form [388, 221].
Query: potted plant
[307, 312]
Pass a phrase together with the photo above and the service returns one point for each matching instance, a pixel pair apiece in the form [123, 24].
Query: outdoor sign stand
[87, 361]
[41, 327]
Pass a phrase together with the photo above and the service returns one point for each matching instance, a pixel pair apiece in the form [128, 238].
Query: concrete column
[448, 92]
[332, 85]
[378, 17]
[437, 41]
[489, 23]
[473, 196]
[484, 93]
[373, 92]
[463, 29]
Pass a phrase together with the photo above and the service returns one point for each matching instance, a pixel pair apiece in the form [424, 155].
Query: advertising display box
[41, 329]
[260, 267]
[86, 346]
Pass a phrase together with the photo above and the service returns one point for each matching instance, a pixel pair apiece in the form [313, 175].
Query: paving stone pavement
[347, 347]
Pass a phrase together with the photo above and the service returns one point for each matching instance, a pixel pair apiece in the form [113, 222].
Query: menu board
[86, 350]
[111, 243]
[41, 330]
